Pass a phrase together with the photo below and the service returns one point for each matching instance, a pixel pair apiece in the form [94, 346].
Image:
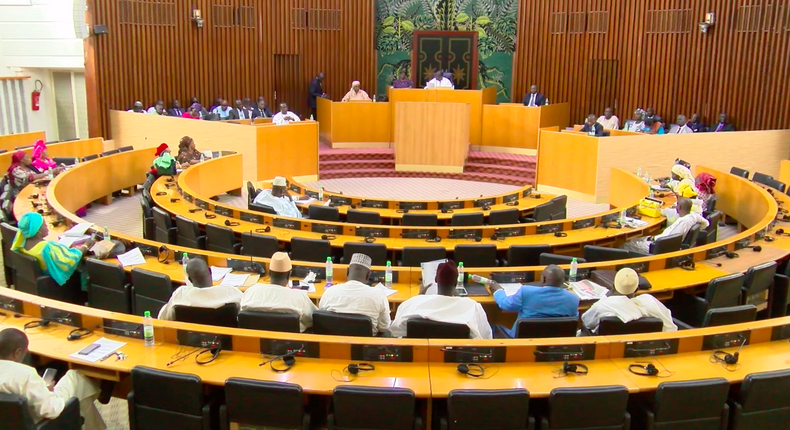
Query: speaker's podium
[431, 137]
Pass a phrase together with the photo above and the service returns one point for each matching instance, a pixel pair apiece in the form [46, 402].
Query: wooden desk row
[10, 142]
[74, 148]
[418, 364]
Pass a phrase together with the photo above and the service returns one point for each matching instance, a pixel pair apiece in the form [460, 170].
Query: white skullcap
[626, 281]
[279, 181]
[362, 260]
[355, 83]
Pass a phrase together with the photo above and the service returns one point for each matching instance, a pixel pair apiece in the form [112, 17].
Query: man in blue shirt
[548, 300]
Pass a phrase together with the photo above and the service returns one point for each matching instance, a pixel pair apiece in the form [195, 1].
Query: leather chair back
[758, 282]
[560, 204]
[16, 415]
[263, 404]
[221, 239]
[372, 408]
[338, 324]
[310, 250]
[165, 231]
[363, 217]
[543, 212]
[413, 256]
[420, 328]
[257, 245]
[773, 183]
[376, 251]
[261, 208]
[323, 213]
[189, 233]
[108, 288]
[526, 255]
[691, 237]
[417, 220]
[739, 172]
[27, 271]
[126, 148]
[762, 403]
[8, 232]
[724, 291]
[697, 405]
[269, 321]
[489, 409]
[252, 192]
[223, 316]
[610, 326]
[471, 219]
[476, 255]
[539, 328]
[149, 228]
[504, 217]
[166, 400]
[151, 291]
[761, 178]
[604, 408]
[546, 259]
[732, 315]
[666, 244]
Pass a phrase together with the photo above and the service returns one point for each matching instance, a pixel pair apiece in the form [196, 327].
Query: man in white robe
[278, 199]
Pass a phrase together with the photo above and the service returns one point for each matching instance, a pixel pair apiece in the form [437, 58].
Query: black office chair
[111, 152]
[376, 251]
[710, 234]
[540, 328]
[68, 161]
[761, 178]
[419, 328]
[189, 233]
[125, 149]
[107, 287]
[604, 408]
[722, 292]
[261, 208]
[263, 404]
[758, 285]
[710, 207]
[560, 210]
[90, 157]
[168, 400]
[666, 244]
[504, 217]
[488, 409]
[472, 219]
[371, 408]
[595, 254]
[526, 255]
[762, 402]
[337, 324]
[773, 183]
[417, 220]
[310, 250]
[223, 316]
[19, 148]
[611, 326]
[725, 316]
[30, 279]
[3, 151]
[323, 213]
[739, 172]
[221, 239]
[691, 237]
[546, 259]
[8, 232]
[363, 217]
[270, 321]
[542, 212]
[700, 405]
[252, 192]
[258, 245]
[150, 291]
[146, 195]
[413, 256]
[16, 415]
[166, 232]
[476, 255]
[149, 229]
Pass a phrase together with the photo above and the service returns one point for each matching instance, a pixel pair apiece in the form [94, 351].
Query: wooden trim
[13, 78]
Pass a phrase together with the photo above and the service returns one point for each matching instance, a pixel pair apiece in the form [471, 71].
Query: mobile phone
[49, 375]
[90, 348]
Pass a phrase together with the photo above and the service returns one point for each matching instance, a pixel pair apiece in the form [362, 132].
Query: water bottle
[622, 216]
[321, 193]
[388, 275]
[106, 233]
[647, 178]
[202, 157]
[329, 274]
[184, 262]
[148, 329]
[374, 98]
[574, 269]
[460, 283]
[76, 160]
[639, 172]
[311, 117]
[479, 279]
[50, 175]
[547, 101]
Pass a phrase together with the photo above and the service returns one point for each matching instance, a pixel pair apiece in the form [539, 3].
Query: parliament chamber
[151, 205]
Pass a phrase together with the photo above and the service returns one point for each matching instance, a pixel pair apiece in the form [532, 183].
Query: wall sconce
[710, 20]
[196, 17]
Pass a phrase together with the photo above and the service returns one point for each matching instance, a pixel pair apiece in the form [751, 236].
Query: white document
[511, 288]
[429, 274]
[635, 223]
[302, 284]
[218, 273]
[131, 258]
[106, 347]
[68, 240]
[387, 291]
[234, 280]
[588, 290]
[78, 230]
[305, 202]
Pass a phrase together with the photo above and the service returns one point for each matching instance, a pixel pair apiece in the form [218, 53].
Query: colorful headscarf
[28, 226]
[15, 160]
[42, 164]
[161, 148]
[706, 183]
[682, 171]
[685, 187]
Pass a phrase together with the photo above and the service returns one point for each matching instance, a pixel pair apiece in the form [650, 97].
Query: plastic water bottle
[311, 117]
[622, 216]
[388, 275]
[574, 269]
[547, 102]
[107, 233]
[184, 262]
[76, 160]
[321, 193]
[479, 279]
[639, 172]
[202, 157]
[50, 175]
[329, 274]
[148, 329]
[374, 98]
[460, 283]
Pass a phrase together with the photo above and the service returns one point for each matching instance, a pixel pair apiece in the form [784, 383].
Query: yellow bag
[650, 207]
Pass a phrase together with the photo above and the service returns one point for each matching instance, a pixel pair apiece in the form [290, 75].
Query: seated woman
[41, 160]
[22, 171]
[193, 112]
[706, 184]
[164, 163]
[56, 260]
[653, 127]
[187, 153]
[682, 182]
[637, 123]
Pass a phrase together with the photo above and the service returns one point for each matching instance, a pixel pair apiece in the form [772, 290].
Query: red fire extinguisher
[36, 96]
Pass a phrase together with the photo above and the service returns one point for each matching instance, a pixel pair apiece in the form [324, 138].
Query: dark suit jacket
[598, 129]
[727, 127]
[540, 99]
[172, 112]
[316, 90]
[256, 113]
[698, 127]
[234, 114]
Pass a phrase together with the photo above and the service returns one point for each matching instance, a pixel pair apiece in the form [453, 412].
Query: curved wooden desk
[74, 148]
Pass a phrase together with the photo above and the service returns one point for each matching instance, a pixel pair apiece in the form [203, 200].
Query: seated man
[681, 126]
[723, 125]
[356, 93]
[622, 304]
[46, 402]
[355, 296]
[223, 110]
[201, 294]
[284, 116]
[439, 81]
[443, 307]
[682, 226]
[650, 114]
[696, 124]
[608, 120]
[548, 300]
[276, 296]
[137, 108]
[153, 109]
[278, 199]
[261, 110]
[534, 98]
[592, 127]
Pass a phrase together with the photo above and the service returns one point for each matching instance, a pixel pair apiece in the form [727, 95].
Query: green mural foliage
[493, 20]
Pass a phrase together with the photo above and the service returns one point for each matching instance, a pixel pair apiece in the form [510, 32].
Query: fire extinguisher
[36, 96]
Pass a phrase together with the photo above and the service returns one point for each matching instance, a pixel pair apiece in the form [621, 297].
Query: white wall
[37, 36]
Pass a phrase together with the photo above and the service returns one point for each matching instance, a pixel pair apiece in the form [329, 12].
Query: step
[391, 173]
[326, 165]
[503, 159]
[497, 178]
[516, 171]
[356, 154]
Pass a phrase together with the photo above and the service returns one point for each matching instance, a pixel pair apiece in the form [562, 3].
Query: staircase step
[498, 178]
[391, 173]
[327, 165]
[356, 154]
[516, 171]
[502, 159]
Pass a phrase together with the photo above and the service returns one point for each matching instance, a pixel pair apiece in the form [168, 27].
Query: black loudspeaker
[100, 29]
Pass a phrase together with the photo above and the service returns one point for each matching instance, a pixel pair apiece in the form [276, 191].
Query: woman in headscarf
[22, 172]
[41, 160]
[193, 112]
[355, 93]
[187, 153]
[706, 184]
[637, 123]
[56, 260]
[164, 163]
[402, 81]
[682, 182]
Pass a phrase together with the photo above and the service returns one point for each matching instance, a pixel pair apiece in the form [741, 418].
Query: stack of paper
[429, 274]
[511, 288]
[234, 280]
[69, 240]
[131, 258]
[218, 273]
[78, 230]
[106, 347]
[588, 290]
[385, 290]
